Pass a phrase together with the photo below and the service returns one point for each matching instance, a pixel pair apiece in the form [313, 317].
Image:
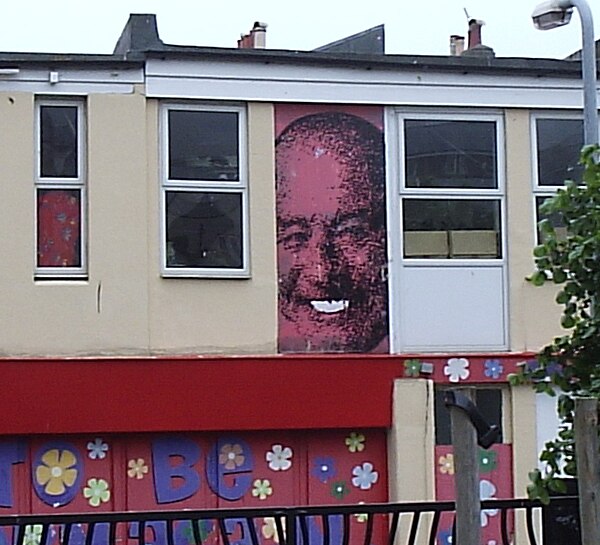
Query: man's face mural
[331, 235]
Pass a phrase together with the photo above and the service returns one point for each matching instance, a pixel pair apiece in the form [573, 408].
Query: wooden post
[588, 468]
[466, 474]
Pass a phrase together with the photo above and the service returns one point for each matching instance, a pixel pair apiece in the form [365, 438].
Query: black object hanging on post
[487, 434]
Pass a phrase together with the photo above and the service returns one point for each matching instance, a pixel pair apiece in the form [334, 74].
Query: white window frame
[397, 192]
[538, 190]
[430, 193]
[54, 183]
[239, 187]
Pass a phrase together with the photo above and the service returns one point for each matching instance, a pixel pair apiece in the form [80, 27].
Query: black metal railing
[363, 524]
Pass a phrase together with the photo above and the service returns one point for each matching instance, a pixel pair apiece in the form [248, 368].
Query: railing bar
[326, 536]
[252, 530]
[112, 533]
[223, 531]
[44, 536]
[66, 533]
[454, 529]
[196, 531]
[504, 526]
[435, 523]
[286, 537]
[393, 528]
[413, 527]
[346, 529]
[169, 532]
[89, 537]
[142, 532]
[530, 532]
[20, 534]
[369, 531]
[304, 530]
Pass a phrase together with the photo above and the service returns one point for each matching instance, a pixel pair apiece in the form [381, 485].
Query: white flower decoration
[97, 449]
[487, 491]
[457, 369]
[33, 534]
[279, 458]
[364, 476]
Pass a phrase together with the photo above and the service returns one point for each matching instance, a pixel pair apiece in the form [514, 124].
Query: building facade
[245, 277]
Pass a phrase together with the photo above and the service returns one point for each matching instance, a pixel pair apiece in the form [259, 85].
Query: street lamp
[555, 13]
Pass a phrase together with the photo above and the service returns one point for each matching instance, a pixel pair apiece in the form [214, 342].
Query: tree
[571, 362]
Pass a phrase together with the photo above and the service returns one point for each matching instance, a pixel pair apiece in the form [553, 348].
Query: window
[446, 170]
[60, 185]
[204, 191]
[451, 174]
[487, 400]
[557, 146]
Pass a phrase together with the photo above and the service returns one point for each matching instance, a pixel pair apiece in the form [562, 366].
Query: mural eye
[294, 239]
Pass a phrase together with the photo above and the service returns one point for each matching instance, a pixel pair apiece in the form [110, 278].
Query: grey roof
[370, 42]
[140, 41]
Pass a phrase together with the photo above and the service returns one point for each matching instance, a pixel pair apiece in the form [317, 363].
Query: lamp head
[548, 15]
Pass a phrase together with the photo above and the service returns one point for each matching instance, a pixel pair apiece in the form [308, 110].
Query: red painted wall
[72, 474]
[69, 396]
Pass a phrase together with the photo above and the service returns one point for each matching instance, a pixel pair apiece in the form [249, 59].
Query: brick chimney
[475, 33]
[457, 45]
[255, 39]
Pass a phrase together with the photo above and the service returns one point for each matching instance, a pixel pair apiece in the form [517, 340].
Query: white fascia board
[73, 81]
[279, 83]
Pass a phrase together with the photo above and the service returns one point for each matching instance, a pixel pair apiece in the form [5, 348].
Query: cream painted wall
[220, 316]
[101, 315]
[534, 317]
[411, 442]
[125, 307]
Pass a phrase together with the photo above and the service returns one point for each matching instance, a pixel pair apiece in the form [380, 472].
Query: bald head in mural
[331, 235]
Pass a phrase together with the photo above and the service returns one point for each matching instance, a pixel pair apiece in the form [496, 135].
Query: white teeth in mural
[330, 307]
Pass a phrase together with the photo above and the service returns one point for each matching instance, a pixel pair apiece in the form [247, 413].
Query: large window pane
[559, 143]
[58, 134]
[204, 229]
[451, 228]
[59, 228]
[450, 154]
[203, 145]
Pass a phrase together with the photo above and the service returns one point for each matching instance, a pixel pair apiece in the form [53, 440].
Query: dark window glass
[204, 229]
[58, 133]
[203, 145]
[489, 403]
[59, 228]
[450, 154]
[452, 228]
[559, 143]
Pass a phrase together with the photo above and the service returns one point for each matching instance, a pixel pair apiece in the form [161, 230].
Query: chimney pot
[457, 45]
[255, 39]
[475, 32]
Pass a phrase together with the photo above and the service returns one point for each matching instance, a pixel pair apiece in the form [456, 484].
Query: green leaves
[571, 362]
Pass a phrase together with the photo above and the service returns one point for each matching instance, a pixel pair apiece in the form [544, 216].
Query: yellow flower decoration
[137, 468]
[56, 471]
[446, 464]
[355, 442]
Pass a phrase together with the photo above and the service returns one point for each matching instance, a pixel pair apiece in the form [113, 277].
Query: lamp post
[555, 13]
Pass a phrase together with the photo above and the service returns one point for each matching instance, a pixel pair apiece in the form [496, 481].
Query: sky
[88, 26]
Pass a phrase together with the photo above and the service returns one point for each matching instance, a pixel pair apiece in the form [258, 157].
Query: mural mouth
[330, 307]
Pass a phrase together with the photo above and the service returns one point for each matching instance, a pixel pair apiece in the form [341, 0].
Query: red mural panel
[331, 229]
[495, 482]
[192, 471]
